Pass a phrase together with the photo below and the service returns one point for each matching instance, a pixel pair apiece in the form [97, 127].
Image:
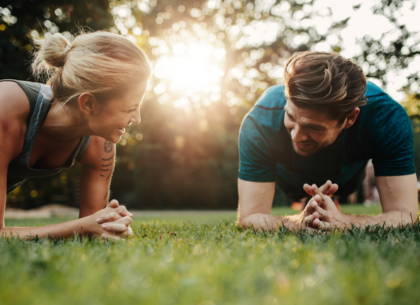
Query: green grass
[206, 261]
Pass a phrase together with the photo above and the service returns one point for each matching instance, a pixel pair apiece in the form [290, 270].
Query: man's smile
[304, 146]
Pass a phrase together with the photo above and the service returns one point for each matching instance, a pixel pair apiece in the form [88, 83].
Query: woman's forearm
[62, 230]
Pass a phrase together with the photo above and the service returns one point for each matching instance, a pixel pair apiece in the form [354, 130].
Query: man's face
[310, 130]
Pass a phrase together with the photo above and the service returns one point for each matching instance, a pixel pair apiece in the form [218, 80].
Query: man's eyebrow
[287, 112]
[306, 125]
[314, 126]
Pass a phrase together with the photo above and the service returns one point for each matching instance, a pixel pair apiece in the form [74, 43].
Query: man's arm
[255, 202]
[95, 177]
[398, 195]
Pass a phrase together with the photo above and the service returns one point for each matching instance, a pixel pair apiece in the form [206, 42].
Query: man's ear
[351, 118]
[87, 102]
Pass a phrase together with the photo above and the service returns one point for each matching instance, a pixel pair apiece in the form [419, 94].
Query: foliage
[213, 262]
[394, 50]
[22, 21]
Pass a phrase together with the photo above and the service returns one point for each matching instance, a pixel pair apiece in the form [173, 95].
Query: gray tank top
[39, 97]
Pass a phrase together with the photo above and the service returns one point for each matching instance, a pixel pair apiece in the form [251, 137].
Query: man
[325, 124]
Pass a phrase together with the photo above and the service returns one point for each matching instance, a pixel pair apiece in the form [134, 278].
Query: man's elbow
[412, 217]
[243, 221]
[405, 217]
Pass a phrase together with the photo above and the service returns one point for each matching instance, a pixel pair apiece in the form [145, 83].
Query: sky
[363, 22]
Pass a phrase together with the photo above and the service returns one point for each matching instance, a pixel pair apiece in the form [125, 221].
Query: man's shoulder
[272, 99]
[373, 90]
[267, 111]
[382, 122]
[379, 104]
[265, 120]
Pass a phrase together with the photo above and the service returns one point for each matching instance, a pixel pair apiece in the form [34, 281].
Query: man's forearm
[269, 222]
[394, 219]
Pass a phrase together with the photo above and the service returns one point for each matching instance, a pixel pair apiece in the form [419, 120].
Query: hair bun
[54, 50]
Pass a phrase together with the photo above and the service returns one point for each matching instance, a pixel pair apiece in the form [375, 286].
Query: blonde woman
[95, 87]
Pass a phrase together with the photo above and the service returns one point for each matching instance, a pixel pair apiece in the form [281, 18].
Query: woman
[95, 87]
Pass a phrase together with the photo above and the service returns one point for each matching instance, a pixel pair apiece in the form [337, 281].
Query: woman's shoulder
[14, 113]
[14, 102]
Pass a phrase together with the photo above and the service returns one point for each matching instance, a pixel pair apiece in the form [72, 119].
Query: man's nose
[298, 134]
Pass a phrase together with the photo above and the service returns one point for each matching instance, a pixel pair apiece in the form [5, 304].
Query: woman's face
[110, 119]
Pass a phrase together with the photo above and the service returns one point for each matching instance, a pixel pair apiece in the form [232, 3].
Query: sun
[190, 71]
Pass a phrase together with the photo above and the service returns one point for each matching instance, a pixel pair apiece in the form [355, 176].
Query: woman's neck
[64, 124]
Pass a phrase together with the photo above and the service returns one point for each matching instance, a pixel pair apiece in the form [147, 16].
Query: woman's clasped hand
[113, 222]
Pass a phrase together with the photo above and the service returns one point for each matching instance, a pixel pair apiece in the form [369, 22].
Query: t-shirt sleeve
[391, 140]
[256, 162]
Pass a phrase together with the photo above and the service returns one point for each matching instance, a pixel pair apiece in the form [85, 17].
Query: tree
[212, 60]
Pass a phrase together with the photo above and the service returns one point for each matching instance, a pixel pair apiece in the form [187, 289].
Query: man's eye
[290, 117]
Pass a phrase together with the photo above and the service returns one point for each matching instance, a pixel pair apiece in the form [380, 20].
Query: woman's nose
[136, 119]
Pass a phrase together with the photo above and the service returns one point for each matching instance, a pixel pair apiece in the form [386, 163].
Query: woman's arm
[14, 109]
[95, 177]
[87, 226]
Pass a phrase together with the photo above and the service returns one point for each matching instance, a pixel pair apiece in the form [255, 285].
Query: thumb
[323, 200]
[113, 203]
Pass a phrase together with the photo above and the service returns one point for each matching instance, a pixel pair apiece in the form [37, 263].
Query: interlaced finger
[128, 233]
[325, 200]
[332, 190]
[307, 221]
[107, 236]
[123, 211]
[112, 216]
[322, 225]
[114, 227]
[113, 204]
[125, 220]
[322, 213]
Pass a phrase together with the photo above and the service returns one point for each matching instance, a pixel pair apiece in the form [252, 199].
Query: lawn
[208, 260]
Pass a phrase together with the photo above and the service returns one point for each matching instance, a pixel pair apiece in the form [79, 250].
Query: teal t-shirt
[382, 132]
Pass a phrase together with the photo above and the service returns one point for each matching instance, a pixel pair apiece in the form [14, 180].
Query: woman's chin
[114, 139]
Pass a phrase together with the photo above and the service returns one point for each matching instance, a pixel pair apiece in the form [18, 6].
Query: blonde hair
[102, 63]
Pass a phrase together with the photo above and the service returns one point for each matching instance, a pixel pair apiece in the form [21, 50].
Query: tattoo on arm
[108, 146]
[108, 158]
[108, 164]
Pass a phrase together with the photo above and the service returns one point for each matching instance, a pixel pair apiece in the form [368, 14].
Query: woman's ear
[87, 102]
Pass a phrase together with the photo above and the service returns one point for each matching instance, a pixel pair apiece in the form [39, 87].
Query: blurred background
[212, 60]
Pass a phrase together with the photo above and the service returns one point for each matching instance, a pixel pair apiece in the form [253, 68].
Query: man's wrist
[292, 222]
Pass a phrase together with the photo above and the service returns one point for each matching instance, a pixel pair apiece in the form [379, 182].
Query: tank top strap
[40, 111]
[83, 145]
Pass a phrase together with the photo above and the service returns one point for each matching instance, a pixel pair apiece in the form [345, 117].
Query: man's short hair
[325, 82]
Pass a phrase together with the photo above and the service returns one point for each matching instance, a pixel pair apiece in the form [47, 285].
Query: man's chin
[304, 152]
